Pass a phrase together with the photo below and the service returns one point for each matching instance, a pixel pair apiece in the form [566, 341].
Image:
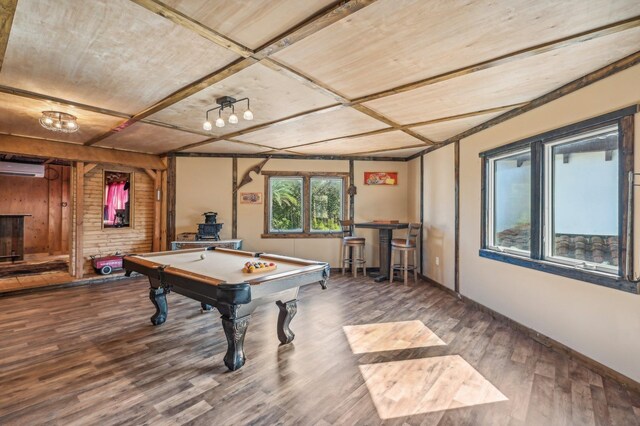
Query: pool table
[215, 278]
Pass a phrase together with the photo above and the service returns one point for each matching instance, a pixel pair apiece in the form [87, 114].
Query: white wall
[599, 322]
[439, 212]
[204, 184]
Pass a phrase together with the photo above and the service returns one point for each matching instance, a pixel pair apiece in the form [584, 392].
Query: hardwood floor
[89, 355]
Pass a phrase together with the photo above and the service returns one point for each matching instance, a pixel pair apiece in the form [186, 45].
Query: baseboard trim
[544, 340]
[339, 270]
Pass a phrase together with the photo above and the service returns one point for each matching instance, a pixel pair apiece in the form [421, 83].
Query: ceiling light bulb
[207, 125]
[48, 120]
[220, 122]
[71, 125]
[248, 115]
[233, 119]
[58, 125]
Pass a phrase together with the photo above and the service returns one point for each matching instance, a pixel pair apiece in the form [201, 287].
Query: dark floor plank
[88, 355]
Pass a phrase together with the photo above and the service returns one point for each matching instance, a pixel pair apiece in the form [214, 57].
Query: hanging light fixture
[220, 120]
[57, 121]
[223, 103]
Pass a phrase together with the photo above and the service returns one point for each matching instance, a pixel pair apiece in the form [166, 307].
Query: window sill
[303, 235]
[593, 277]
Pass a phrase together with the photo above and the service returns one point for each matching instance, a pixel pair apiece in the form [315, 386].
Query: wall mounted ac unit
[21, 169]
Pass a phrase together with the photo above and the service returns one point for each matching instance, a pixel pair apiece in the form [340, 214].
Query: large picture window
[558, 202]
[300, 204]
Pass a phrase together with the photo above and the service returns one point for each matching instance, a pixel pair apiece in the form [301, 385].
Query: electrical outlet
[437, 261]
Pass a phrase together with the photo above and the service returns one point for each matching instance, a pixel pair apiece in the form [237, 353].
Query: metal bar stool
[351, 244]
[405, 246]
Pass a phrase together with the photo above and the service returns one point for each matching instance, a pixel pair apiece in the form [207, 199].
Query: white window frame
[548, 224]
[490, 210]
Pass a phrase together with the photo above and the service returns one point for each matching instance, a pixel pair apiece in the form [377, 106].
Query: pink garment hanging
[116, 198]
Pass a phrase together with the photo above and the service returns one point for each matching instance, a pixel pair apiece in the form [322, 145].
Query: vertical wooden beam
[352, 195]
[51, 232]
[234, 200]
[171, 199]
[306, 204]
[157, 208]
[456, 172]
[163, 213]
[7, 11]
[421, 213]
[626, 206]
[79, 206]
[65, 233]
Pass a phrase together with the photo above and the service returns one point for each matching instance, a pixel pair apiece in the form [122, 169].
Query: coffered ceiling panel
[112, 54]
[391, 42]
[19, 116]
[251, 23]
[316, 127]
[363, 144]
[507, 84]
[443, 130]
[229, 147]
[273, 96]
[149, 138]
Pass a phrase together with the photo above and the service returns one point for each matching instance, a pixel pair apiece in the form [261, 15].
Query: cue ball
[202, 256]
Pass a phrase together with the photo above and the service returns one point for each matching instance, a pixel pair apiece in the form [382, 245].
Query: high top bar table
[385, 233]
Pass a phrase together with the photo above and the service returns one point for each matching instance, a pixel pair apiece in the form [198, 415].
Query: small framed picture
[380, 178]
[251, 198]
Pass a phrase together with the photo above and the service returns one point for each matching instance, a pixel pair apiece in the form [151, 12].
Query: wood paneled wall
[47, 230]
[99, 241]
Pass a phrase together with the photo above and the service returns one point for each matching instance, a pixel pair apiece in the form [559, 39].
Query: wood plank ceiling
[359, 77]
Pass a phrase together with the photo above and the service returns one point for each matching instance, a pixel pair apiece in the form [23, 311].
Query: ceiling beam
[183, 20]
[521, 54]
[318, 86]
[179, 95]
[7, 11]
[44, 148]
[613, 28]
[371, 113]
[279, 122]
[40, 97]
[357, 135]
[328, 16]
[324, 18]
[586, 80]
[465, 115]
[322, 110]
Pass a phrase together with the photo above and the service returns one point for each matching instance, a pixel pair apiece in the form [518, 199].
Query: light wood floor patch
[390, 336]
[406, 388]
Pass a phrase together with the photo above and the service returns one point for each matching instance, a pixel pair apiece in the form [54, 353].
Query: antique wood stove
[210, 229]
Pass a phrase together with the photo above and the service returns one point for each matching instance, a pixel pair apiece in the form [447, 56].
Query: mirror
[117, 197]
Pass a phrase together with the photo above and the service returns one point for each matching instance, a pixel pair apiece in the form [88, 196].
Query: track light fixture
[223, 103]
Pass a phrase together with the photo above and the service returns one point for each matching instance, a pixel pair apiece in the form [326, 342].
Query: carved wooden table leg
[287, 312]
[235, 330]
[158, 297]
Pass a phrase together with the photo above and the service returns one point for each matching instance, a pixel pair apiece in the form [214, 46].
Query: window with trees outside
[559, 202]
[304, 204]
